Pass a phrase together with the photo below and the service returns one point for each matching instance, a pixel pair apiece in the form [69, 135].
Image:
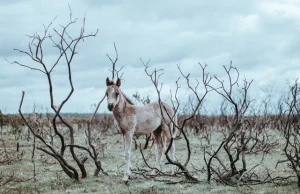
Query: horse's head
[112, 93]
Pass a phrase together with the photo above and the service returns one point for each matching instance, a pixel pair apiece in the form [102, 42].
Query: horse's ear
[108, 83]
[118, 82]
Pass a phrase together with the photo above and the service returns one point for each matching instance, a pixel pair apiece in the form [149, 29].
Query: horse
[155, 118]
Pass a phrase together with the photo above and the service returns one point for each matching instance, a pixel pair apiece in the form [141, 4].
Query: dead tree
[292, 130]
[66, 44]
[236, 138]
[92, 141]
[205, 80]
[241, 136]
[90, 137]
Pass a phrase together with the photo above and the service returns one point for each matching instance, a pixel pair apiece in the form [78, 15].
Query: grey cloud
[259, 37]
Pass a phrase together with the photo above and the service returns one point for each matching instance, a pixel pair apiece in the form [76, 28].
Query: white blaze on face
[111, 96]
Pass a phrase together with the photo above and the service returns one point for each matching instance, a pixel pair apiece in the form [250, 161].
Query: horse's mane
[127, 99]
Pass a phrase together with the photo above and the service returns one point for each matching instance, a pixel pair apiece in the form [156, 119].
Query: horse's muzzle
[110, 107]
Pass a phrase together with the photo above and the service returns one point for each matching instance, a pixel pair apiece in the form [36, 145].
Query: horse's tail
[175, 131]
[164, 137]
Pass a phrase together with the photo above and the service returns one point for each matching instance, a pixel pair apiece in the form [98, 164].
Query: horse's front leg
[127, 150]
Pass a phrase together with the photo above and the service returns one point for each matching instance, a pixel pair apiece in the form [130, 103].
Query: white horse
[140, 120]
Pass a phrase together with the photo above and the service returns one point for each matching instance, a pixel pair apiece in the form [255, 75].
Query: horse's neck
[120, 108]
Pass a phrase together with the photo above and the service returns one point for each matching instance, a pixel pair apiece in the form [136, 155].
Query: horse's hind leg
[159, 145]
[168, 134]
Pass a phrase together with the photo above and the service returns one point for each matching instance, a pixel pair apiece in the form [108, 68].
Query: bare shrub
[292, 129]
[205, 80]
[238, 135]
[66, 45]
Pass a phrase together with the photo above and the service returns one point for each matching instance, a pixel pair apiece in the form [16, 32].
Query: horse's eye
[117, 94]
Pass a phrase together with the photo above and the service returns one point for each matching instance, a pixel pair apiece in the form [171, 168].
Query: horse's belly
[148, 126]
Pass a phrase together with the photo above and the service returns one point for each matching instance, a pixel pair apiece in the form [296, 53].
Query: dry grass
[51, 179]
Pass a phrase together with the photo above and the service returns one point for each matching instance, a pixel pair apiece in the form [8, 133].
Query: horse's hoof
[125, 180]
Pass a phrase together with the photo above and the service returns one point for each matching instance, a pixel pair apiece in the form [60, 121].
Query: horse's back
[158, 108]
[149, 116]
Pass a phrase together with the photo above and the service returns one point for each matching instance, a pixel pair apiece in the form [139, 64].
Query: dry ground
[50, 178]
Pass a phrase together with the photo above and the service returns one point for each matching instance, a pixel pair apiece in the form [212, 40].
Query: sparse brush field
[17, 168]
[245, 146]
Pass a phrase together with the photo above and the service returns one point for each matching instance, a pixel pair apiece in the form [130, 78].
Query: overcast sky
[260, 37]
